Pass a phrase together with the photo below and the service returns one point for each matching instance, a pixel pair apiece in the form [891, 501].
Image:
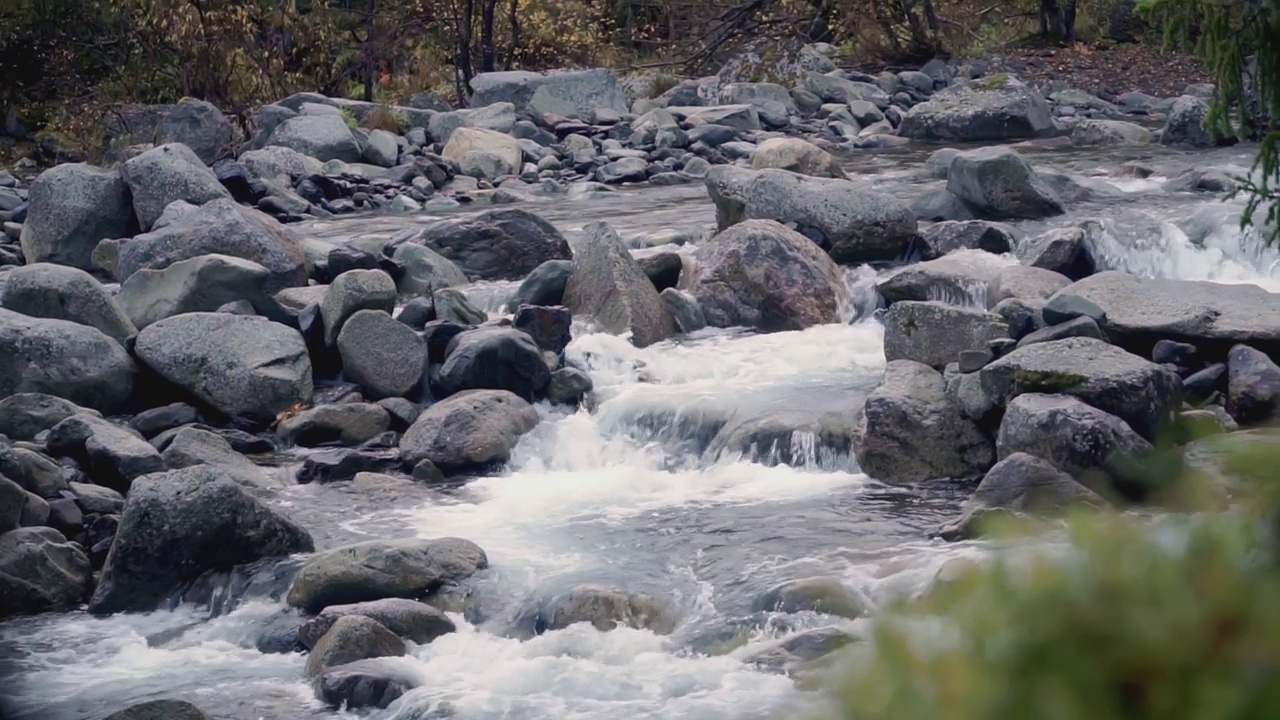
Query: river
[630, 496]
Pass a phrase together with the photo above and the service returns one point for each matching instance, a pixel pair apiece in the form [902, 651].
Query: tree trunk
[464, 49]
[1051, 21]
[370, 55]
[1069, 22]
[513, 18]
[488, 54]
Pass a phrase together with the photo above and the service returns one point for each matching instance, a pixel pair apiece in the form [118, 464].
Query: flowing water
[635, 495]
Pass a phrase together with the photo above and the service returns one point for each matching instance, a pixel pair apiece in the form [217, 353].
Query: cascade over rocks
[219, 227]
[950, 235]
[408, 619]
[64, 359]
[379, 569]
[180, 523]
[607, 284]
[760, 274]
[853, 223]
[960, 278]
[502, 244]
[241, 366]
[1141, 393]
[909, 430]
[468, 431]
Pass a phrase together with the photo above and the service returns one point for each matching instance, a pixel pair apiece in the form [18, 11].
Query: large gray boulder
[1093, 133]
[270, 163]
[200, 284]
[1188, 124]
[346, 423]
[741, 118]
[998, 184]
[1083, 441]
[323, 137]
[352, 292]
[773, 102]
[57, 292]
[220, 227]
[796, 155]
[839, 90]
[762, 275]
[381, 149]
[179, 524]
[385, 357]
[193, 446]
[424, 271]
[1024, 283]
[571, 94]
[34, 471]
[409, 619]
[160, 710]
[241, 366]
[200, 126]
[853, 223]
[608, 284]
[1141, 393]
[990, 109]
[25, 415]
[502, 244]
[352, 638]
[948, 236]
[112, 455]
[1212, 316]
[378, 569]
[1065, 251]
[165, 174]
[466, 141]
[65, 359]
[71, 209]
[499, 117]
[494, 358]
[1020, 484]
[467, 431]
[935, 333]
[909, 430]
[41, 570]
[13, 499]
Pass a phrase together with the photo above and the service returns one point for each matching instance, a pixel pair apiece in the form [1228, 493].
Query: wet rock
[995, 108]
[165, 174]
[1092, 133]
[826, 595]
[1188, 124]
[338, 464]
[112, 455]
[605, 609]
[951, 235]
[219, 227]
[1024, 283]
[550, 327]
[494, 358]
[502, 244]
[25, 415]
[379, 569]
[1076, 438]
[663, 269]
[351, 638]
[623, 170]
[468, 431]
[1143, 394]
[241, 366]
[345, 423]
[192, 446]
[352, 292]
[1199, 388]
[909, 430]
[179, 523]
[364, 684]
[424, 271]
[1076, 327]
[324, 137]
[408, 619]
[792, 654]
[43, 290]
[997, 183]
[608, 284]
[941, 206]
[855, 224]
[1253, 386]
[64, 359]
[685, 310]
[417, 313]
[72, 207]
[1064, 251]
[160, 710]
[200, 126]
[568, 386]
[1020, 483]
[1212, 316]
[544, 286]
[934, 333]
[199, 284]
[453, 305]
[384, 357]
[798, 156]
[760, 274]
[960, 278]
